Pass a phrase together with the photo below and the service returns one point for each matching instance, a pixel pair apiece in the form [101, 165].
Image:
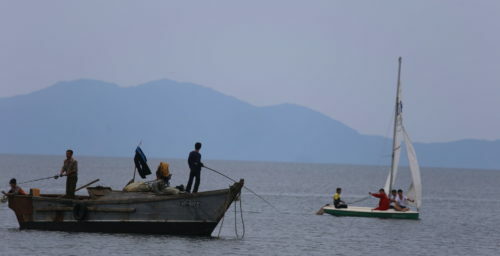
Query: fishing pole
[222, 174]
[51, 177]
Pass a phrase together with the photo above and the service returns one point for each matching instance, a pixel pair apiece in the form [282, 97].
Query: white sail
[415, 190]
[396, 150]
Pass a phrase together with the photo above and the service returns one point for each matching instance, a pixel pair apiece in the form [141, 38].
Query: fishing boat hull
[105, 210]
[354, 211]
[141, 227]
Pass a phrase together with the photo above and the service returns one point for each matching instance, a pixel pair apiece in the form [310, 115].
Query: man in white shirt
[401, 201]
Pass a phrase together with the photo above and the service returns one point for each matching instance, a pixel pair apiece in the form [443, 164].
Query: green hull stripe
[412, 216]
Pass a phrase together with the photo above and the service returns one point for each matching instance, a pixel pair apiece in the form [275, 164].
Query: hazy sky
[337, 57]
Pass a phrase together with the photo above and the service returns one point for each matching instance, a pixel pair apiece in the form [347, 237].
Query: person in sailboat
[394, 201]
[401, 201]
[337, 202]
[392, 198]
[384, 201]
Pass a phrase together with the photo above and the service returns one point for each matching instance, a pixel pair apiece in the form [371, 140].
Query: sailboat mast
[396, 115]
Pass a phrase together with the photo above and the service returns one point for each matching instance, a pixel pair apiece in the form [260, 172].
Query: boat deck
[358, 211]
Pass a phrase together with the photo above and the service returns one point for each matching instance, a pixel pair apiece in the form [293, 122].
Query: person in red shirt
[14, 189]
[384, 202]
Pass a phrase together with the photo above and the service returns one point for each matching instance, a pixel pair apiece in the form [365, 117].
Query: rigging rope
[357, 201]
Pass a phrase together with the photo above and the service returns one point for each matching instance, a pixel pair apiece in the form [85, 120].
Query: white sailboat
[415, 189]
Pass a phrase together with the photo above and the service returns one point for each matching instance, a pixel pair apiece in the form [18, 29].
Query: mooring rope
[222, 174]
[220, 227]
[235, 221]
[241, 215]
[242, 221]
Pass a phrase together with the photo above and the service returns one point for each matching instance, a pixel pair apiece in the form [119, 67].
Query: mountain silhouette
[102, 119]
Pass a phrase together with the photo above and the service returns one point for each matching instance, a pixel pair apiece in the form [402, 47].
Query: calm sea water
[460, 213]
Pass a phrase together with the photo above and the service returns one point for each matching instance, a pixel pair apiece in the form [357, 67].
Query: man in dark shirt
[70, 169]
[195, 165]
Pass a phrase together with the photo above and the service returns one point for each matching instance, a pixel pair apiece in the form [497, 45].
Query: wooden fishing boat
[106, 210]
[415, 189]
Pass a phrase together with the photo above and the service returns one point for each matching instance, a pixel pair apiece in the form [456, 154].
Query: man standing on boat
[195, 164]
[384, 202]
[70, 169]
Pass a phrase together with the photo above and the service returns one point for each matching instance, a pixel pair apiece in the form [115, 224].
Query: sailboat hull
[354, 211]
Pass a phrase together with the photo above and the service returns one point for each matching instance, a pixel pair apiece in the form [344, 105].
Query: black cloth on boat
[140, 161]
[340, 205]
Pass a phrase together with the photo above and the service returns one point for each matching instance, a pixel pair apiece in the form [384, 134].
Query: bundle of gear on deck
[159, 186]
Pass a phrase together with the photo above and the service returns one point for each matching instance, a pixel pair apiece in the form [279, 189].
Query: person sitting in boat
[163, 173]
[14, 189]
[163, 176]
[392, 198]
[384, 201]
[401, 201]
[394, 201]
[337, 202]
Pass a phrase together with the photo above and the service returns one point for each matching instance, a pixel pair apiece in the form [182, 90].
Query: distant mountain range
[103, 119]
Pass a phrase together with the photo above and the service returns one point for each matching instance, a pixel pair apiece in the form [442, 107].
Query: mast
[396, 119]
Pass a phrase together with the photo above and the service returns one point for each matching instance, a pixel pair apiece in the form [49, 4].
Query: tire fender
[80, 211]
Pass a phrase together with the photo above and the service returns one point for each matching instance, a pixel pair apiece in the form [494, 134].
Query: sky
[336, 57]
